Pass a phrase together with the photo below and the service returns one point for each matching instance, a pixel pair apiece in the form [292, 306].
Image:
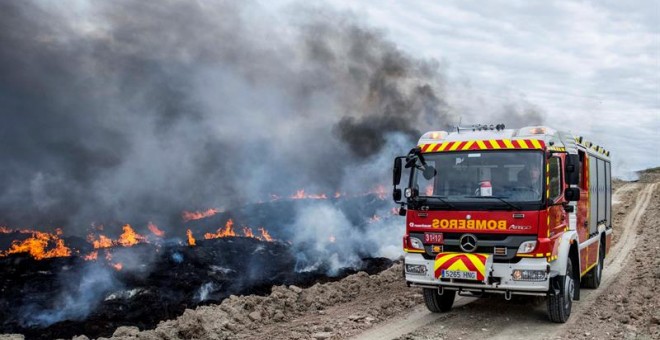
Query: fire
[227, 231]
[91, 256]
[154, 229]
[129, 237]
[118, 266]
[38, 246]
[196, 215]
[102, 242]
[300, 194]
[265, 235]
[247, 232]
[374, 219]
[380, 192]
[191, 238]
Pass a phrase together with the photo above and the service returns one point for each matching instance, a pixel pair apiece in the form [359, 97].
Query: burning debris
[40, 245]
[59, 297]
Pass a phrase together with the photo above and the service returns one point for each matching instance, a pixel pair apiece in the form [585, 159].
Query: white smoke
[81, 294]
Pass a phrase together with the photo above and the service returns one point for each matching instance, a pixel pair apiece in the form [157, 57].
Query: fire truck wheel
[592, 279]
[437, 303]
[559, 306]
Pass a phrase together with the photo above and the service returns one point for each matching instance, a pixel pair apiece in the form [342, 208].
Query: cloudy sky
[592, 67]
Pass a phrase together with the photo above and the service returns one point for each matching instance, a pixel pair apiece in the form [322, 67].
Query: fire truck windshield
[486, 177]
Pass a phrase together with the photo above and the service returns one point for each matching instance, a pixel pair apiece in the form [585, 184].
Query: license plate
[433, 238]
[459, 274]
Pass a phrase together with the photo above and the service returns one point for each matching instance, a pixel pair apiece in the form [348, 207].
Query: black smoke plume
[133, 111]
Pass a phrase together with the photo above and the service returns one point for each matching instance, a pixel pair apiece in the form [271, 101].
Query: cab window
[555, 178]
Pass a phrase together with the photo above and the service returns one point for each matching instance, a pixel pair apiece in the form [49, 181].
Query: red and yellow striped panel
[491, 144]
[461, 262]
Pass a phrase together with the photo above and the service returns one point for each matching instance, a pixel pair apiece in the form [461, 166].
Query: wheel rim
[569, 290]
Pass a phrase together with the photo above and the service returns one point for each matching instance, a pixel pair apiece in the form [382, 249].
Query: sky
[590, 67]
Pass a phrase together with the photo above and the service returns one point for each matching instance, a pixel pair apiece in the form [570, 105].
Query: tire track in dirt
[492, 319]
[614, 264]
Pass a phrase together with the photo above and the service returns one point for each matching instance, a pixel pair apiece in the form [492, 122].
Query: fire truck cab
[512, 211]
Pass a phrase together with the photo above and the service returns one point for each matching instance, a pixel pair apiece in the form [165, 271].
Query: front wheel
[437, 303]
[559, 305]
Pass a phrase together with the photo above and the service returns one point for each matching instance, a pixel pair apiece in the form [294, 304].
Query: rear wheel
[559, 306]
[437, 303]
[593, 278]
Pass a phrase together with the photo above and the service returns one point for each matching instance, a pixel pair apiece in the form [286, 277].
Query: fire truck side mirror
[396, 178]
[572, 170]
[396, 195]
[572, 194]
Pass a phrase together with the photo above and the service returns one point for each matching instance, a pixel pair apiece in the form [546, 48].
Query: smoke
[133, 112]
[83, 291]
[324, 236]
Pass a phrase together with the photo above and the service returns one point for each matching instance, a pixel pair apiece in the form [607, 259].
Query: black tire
[595, 275]
[559, 306]
[437, 303]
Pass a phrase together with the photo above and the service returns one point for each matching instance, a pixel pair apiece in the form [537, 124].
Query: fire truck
[511, 211]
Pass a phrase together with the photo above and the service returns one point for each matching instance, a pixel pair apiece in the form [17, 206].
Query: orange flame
[118, 266]
[380, 192]
[227, 231]
[129, 237]
[300, 194]
[102, 242]
[247, 232]
[265, 235]
[154, 229]
[91, 256]
[37, 245]
[196, 215]
[191, 239]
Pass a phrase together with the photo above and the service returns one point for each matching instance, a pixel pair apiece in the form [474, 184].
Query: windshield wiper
[502, 199]
[439, 198]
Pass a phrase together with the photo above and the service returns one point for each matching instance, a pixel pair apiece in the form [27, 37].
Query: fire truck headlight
[528, 275]
[527, 247]
[416, 243]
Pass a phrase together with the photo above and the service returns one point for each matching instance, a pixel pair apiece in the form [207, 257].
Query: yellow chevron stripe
[494, 144]
[444, 258]
[430, 147]
[523, 144]
[455, 146]
[467, 145]
[508, 144]
[536, 143]
[481, 145]
[443, 146]
[459, 265]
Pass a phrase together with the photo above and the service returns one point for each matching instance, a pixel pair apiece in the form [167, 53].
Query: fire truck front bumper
[529, 276]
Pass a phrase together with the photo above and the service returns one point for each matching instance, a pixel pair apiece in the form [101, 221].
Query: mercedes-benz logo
[468, 243]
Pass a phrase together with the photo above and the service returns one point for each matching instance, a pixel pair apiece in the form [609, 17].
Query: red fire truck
[512, 211]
